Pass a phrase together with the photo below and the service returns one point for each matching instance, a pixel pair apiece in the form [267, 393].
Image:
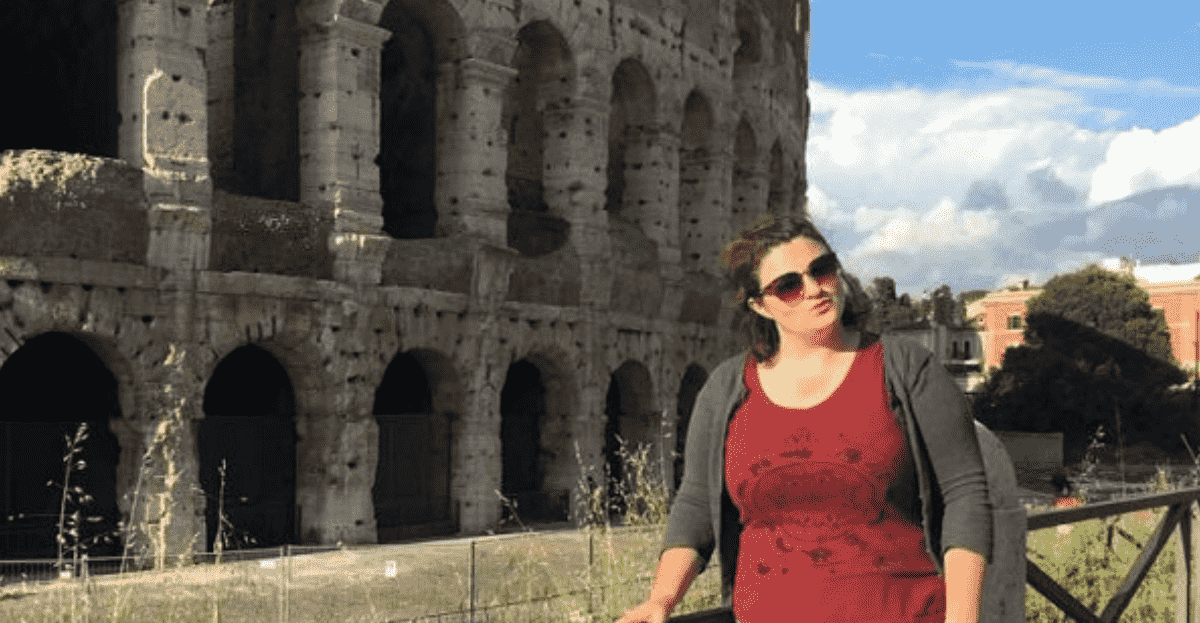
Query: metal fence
[566, 575]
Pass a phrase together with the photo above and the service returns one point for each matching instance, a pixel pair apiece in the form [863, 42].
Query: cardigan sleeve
[950, 438]
[690, 522]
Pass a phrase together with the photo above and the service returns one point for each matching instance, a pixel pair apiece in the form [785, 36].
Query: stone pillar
[576, 154]
[221, 93]
[164, 128]
[703, 196]
[749, 200]
[472, 150]
[339, 138]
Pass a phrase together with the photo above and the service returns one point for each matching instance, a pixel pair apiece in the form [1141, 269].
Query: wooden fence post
[1186, 586]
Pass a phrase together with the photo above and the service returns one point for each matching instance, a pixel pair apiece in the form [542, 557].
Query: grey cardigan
[954, 509]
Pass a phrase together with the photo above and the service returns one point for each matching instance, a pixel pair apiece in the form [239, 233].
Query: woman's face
[823, 300]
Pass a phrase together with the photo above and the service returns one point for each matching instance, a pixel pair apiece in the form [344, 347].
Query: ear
[758, 308]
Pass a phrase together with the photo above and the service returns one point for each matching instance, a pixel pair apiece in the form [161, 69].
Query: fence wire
[570, 575]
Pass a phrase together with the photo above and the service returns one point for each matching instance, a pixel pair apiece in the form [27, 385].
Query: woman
[829, 467]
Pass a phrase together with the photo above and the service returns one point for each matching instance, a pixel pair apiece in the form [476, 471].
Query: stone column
[164, 128]
[339, 138]
[749, 201]
[574, 179]
[472, 150]
[705, 198]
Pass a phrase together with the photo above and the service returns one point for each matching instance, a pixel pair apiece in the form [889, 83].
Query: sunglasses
[790, 286]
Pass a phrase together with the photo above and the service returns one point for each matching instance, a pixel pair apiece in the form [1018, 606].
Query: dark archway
[775, 199]
[61, 76]
[630, 126]
[50, 385]
[407, 126]
[745, 163]
[544, 82]
[749, 50]
[249, 421]
[524, 458]
[266, 118]
[695, 164]
[693, 379]
[630, 415]
[412, 477]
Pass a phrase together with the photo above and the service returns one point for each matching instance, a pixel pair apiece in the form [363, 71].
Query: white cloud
[1140, 160]
[889, 171]
[1055, 78]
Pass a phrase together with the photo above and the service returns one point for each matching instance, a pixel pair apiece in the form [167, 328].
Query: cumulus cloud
[1040, 194]
[1140, 160]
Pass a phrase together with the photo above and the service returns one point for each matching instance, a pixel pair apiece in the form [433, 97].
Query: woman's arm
[964, 585]
[677, 569]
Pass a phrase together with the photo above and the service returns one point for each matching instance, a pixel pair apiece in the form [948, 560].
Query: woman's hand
[648, 612]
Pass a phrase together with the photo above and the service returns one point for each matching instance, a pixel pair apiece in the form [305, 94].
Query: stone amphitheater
[381, 260]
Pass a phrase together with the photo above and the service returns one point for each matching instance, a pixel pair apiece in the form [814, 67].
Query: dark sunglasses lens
[789, 286]
[823, 266]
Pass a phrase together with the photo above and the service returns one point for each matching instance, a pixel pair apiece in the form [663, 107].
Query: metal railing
[1179, 515]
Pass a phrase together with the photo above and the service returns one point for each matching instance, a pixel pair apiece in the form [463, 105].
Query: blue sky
[981, 144]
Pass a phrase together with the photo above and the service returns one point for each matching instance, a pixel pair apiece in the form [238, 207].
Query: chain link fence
[569, 576]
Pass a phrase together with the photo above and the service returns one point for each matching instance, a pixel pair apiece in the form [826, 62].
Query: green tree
[1095, 353]
[887, 311]
[1109, 302]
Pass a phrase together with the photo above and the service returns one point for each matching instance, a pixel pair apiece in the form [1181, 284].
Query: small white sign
[390, 570]
[266, 564]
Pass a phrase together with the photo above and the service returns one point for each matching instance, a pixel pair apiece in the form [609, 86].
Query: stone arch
[416, 404]
[689, 387]
[745, 176]
[250, 422]
[424, 37]
[62, 74]
[253, 112]
[631, 133]
[631, 416]
[695, 177]
[538, 460]
[775, 192]
[51, 384]
[440, 19]
[544, 83]
[749, 33]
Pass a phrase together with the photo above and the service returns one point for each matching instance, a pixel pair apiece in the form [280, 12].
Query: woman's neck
[817, 344]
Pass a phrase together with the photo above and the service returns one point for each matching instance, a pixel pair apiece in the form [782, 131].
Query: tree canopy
[1095, 353]
[1109, 302]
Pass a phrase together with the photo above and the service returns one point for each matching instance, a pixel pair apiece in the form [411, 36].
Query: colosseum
[380, 259]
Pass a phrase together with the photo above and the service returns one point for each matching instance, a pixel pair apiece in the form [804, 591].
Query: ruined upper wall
[55, 204]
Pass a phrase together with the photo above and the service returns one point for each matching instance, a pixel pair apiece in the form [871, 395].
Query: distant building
[1000, 316]
[953, 341]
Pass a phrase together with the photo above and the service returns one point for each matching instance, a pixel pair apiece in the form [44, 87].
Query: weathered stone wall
[55, 204]
[506, 250]
[264, 236]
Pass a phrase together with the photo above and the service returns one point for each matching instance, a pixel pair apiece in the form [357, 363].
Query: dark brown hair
[741, 259]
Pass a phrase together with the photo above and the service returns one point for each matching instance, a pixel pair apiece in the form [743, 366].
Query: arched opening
[749, 49]
[694, 177]
[249, 423]
[61, 76]
[775, 202]
[693, 379]
[52, 384]
[745, 161]
[630, 126]
[544, 83]
[265, 138]
[631, 422]
[412, 477]
[407, 126]
[526, 456]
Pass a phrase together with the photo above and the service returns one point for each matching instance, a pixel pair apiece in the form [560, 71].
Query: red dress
[819, 542]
